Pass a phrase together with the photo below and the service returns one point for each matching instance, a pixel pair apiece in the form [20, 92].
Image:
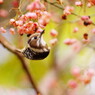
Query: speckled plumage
[32, 55]
[37, 48]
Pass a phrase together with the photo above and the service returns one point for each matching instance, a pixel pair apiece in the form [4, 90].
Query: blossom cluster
[81, 77]
[34, 20]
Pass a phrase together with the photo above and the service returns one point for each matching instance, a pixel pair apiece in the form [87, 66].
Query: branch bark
[13, 49]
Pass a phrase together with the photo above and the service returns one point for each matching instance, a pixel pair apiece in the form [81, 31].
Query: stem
[59, 7]
[63, 9]
[54, 5]
[12, 49]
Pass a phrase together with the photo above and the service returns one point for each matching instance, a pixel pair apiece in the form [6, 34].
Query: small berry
[89, 5]
[86, 79]
[85, 36]
[53, 33]
[36, 5]
[2, 30]
[68, 10]
[31, 15]
[53, 41]
[85, 18]
[64, 17]
[78, 3]
[86, 23]
[75, 29]
[75, 71]
[12, 21]
[12, 31]
[72, 84]
[3, 13]
[69, 41]
[91, 72]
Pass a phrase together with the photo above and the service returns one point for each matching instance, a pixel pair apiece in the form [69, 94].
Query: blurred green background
[11, 71]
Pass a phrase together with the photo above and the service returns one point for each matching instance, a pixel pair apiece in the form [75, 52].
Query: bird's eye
[35, 37]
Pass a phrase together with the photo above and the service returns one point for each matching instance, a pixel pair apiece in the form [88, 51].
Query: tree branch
[59, 7]
[13, 49]
[53, 4]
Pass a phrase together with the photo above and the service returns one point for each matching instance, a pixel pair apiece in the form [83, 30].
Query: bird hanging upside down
[36, 48]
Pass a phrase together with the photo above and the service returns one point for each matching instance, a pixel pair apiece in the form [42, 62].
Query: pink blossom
[21, 30]
[76, 29]
[19, 23]
[3, 13]
[2, 30]
[78, 3]
[36, 5]
[85, 18]
[23, 18]
[72, 84]
[12, 31]
[90, 72]
[31, 15]
[69, 41]
[89, 5]
[86, 79]
[53, 41]
[43, 21]
[39, 13]
[68, 10]
[53, 33]
[45, 18]
[93, 31]
[75, 71]
[12, 22]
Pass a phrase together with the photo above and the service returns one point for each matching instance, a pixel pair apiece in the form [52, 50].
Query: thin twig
[12, 49]
[54, 5]
[63, 9]
[57, 6]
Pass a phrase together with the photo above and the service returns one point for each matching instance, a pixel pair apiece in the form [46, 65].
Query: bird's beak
[42, 33]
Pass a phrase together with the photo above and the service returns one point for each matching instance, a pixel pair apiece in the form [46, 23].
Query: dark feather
[30, 54]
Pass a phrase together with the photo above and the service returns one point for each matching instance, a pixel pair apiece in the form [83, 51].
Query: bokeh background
[53, 73]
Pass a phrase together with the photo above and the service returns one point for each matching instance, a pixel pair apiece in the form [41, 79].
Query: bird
[36, 48]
